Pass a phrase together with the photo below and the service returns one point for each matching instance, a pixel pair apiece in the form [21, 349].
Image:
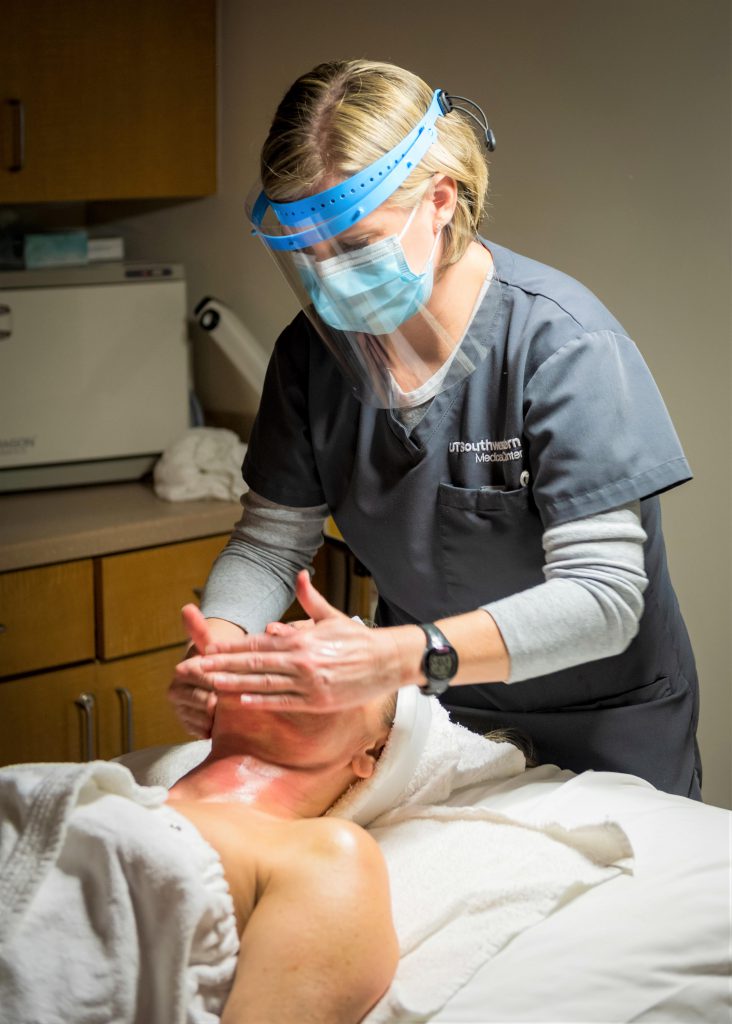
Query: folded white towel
[426, 759]
[465, 882]
[396, 767]
[204, 463]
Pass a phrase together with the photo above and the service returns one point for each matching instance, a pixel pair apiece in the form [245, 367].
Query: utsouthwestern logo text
[508, 450]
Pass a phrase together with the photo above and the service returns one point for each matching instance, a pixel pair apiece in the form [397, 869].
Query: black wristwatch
[439, 662]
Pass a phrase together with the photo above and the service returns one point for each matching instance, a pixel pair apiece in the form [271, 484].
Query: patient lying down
[310, 894]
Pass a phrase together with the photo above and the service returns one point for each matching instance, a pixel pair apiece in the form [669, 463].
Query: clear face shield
[363, 271]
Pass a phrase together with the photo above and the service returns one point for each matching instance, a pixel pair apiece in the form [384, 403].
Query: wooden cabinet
[134, 710]
[88, 646]
[46, 617]
[101, 709]
[107, 100]
[40, 719]
[113, 698]
[140, 594]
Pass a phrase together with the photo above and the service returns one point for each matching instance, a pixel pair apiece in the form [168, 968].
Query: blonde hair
[343, 115]
[516, 738]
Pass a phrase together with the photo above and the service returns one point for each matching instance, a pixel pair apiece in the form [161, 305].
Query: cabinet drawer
[42, 717]
[47, 616]
[141, 594]
[134, 695]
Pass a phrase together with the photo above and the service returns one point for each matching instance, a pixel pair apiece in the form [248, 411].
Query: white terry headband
[369, 798]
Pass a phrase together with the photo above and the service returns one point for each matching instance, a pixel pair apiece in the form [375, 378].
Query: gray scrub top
[560, 419]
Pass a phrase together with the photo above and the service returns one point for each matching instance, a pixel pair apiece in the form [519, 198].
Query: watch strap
[435, 636]
[436, 642]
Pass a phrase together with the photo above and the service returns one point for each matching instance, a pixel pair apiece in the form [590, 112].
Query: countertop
[41, 527]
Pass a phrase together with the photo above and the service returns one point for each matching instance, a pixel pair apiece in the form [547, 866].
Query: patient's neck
[272, 789]
[247, 765]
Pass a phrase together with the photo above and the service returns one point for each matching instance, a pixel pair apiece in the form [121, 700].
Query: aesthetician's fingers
[313, 601]
[282, 628]
[196, 626]
[261, 683]
[189, 700]
[192, 697]
[278, 628]
[282, 677]
[190, 673]
[196, 723]
[258, 671]
[195, 695]
[337, 664]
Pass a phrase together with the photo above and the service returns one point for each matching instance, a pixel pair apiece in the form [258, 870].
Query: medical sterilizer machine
[94, 372]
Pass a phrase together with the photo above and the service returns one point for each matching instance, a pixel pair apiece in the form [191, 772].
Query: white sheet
[654, 946]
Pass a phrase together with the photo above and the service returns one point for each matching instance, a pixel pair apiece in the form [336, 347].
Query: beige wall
[613, 163]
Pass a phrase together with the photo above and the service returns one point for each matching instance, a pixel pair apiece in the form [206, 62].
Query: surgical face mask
[372, 290]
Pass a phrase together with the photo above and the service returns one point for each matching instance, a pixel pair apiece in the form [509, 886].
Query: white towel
[204, 463]
[427, 758]
[464, 880]
[164, 765]
[113, 906]
[396, 767]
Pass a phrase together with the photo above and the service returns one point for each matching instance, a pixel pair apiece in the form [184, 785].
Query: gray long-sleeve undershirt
[591, 603]
[588, 608]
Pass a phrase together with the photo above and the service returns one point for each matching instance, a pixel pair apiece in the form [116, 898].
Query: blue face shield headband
[365, 299]
[315, 219]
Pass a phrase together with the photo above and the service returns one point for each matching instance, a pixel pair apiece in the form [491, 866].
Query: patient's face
[299, 739]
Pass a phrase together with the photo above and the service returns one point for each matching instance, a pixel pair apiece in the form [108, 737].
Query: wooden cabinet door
[42, 717]
[132, 692]
[91, 711]
[107, 100]
[141, 593]
[46, 617]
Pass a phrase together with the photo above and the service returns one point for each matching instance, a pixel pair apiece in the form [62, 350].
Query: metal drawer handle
[86, 702]
[18, 113]
[6, 332]
[128, 722]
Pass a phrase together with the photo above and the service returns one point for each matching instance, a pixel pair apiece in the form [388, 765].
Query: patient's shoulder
[332, 839]
[326, 853]
[334, 835]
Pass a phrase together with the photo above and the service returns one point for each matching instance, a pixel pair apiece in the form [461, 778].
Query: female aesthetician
[486, 436]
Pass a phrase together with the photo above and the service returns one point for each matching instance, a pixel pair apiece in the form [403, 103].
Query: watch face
[441, 664]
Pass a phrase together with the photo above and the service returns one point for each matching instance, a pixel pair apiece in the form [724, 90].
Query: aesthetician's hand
[336, 663]
[191, 695]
